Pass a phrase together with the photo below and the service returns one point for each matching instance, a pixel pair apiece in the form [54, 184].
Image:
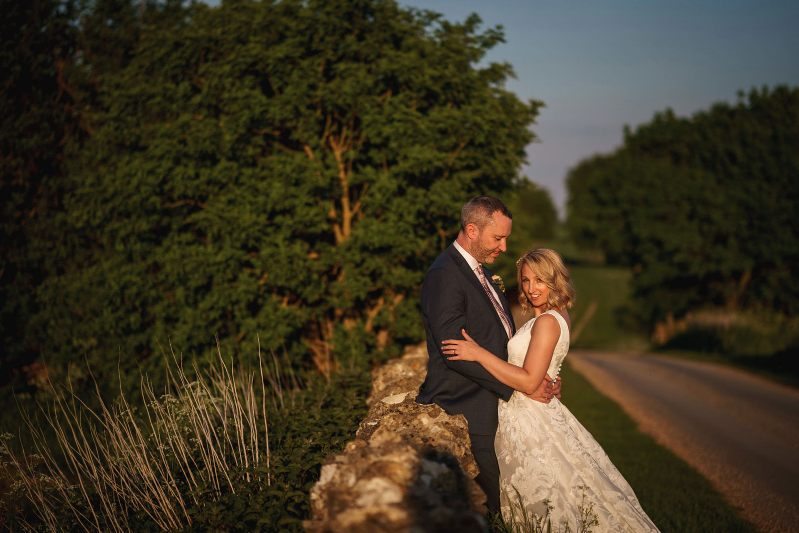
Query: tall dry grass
[520, 518]
[120, 461]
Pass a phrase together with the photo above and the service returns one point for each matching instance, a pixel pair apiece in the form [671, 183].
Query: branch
[454, 156]
[372, 313]
[185, 202]
[345, 230]
[326, 131]
[357, 207]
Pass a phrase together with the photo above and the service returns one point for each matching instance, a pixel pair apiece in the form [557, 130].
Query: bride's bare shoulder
[550, 324]
[546, 324]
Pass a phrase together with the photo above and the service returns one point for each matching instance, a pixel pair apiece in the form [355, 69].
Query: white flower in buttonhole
[496, 280]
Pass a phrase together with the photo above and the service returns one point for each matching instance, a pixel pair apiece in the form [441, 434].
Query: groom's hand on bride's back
[546, 391]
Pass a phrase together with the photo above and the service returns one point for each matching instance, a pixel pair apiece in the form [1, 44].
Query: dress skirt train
[545, 453]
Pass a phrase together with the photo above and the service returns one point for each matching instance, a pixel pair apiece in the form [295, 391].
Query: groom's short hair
[478, 211]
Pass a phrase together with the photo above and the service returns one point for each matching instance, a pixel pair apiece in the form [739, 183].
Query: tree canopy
[700, 208]
[288, 169]
[535, 218]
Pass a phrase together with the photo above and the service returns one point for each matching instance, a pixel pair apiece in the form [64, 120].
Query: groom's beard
[482, 253]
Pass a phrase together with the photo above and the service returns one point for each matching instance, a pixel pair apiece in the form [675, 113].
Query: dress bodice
[517, 346]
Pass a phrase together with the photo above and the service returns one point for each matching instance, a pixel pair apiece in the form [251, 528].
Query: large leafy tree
[534, 215]
[701, 208]
[54, 56]
[39, 110]
[287, 169]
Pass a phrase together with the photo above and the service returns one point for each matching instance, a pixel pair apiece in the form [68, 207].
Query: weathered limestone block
[409, 468]
[399, 375]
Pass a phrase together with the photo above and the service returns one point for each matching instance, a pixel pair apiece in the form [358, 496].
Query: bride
[544, 453]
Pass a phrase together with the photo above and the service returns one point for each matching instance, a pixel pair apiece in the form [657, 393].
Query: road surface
[739, 430]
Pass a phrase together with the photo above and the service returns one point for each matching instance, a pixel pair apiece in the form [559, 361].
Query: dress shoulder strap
[564, 328]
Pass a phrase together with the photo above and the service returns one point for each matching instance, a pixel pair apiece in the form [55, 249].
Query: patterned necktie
[501, 312]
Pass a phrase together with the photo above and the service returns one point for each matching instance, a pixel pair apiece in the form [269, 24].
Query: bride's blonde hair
[548, 266]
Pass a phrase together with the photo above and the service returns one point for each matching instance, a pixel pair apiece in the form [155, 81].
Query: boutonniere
[496, 280]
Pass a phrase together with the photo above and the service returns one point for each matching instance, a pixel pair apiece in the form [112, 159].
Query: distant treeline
[290, 169]
[703, 209]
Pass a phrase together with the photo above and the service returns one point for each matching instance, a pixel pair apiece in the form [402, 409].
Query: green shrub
[738, 334]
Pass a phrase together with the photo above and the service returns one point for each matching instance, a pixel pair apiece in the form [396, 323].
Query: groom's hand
[546, 391]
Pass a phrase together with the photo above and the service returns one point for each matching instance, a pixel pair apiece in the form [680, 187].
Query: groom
[458, 294]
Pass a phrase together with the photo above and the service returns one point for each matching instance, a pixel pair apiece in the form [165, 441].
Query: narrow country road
[739, 430]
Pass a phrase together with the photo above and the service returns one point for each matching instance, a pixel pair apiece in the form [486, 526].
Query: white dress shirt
[473, 264]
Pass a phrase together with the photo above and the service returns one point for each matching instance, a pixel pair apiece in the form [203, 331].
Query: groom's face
[492, 241]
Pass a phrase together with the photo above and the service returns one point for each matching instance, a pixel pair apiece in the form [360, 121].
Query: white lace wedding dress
[546, 454]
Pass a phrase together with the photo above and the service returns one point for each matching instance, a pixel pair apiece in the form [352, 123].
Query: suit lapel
[471, 278]
[503, 301]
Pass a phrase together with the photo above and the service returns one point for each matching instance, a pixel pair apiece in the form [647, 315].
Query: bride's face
[535, 290]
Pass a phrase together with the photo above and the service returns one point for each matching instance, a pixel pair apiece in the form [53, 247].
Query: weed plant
[233, 448]
[523, 520]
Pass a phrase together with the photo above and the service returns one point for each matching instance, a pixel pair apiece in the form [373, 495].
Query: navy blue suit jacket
[453, 299]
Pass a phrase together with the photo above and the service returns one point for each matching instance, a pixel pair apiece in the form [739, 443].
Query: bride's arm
[527, 378]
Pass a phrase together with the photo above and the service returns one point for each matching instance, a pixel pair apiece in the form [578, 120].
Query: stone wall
[408, 469]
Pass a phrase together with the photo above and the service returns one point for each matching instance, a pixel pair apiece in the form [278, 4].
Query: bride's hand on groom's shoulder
[462, 350]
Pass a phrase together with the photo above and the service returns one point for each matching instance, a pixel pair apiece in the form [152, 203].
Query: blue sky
[601, 64]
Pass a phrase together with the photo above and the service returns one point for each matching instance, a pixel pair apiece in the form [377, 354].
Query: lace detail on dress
[546, 454]
[517, 346]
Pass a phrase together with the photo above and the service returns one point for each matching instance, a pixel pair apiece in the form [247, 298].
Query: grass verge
[601, 311]
[674, 495]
